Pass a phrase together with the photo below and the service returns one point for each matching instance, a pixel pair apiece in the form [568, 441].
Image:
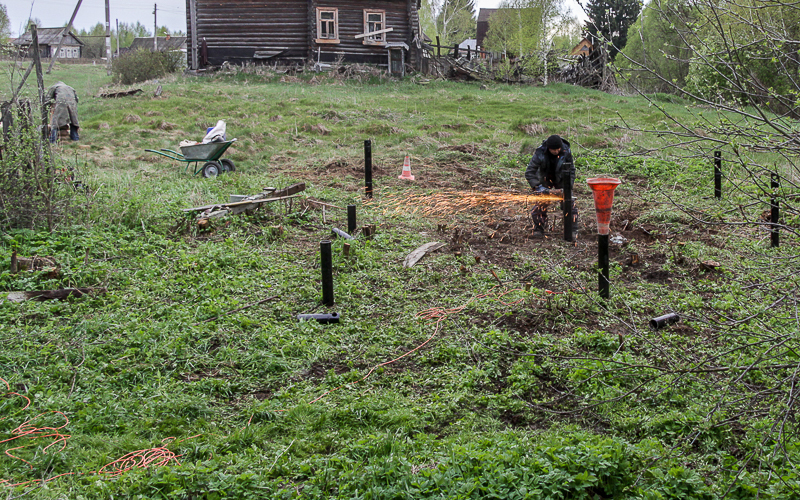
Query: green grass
[531, 394]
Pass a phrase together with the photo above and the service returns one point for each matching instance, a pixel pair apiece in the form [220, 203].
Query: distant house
[164, 43]
[483, 25]
[383, 32]
[584, 47]
[469, 43]
[71, 45]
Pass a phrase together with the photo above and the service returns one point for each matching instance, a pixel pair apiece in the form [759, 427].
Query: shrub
[141, 65]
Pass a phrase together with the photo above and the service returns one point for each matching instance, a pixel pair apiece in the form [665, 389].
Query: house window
[374, 20]
[327, 25]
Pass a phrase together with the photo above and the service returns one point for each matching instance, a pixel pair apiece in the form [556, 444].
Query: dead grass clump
[318, 129]
[532, 129]
[103, 126]
[164, 125]
[154, 113]
[132, 118]
[442, 135]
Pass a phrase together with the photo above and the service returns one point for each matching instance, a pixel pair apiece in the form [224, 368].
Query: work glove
[541, 190]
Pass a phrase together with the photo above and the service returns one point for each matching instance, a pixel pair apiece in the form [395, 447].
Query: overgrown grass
[532, 394]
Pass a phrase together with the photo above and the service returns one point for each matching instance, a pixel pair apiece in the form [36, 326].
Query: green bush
[141, 65]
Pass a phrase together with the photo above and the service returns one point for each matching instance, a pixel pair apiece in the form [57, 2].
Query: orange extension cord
[153, 457]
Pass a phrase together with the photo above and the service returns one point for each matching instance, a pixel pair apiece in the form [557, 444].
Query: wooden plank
[294, 188]
[237, 204]
[371, 33]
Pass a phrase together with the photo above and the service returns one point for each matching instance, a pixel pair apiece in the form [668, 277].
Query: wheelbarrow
[208, 154]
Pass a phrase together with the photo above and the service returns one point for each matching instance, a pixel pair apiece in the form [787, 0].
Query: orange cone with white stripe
[406, 170]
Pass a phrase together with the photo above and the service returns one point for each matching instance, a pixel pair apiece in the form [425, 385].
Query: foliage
[770, 65]
[142, 65]
[36, 189]
[561, 395]
[455, 20]
[523, 30]
[5, 24]
[608, 21]
[655, 41]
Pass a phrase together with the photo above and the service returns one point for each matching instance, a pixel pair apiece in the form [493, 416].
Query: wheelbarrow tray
[211, 151]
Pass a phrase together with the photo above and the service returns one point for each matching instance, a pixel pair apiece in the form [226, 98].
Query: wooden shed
[584, 47]
[382, 32]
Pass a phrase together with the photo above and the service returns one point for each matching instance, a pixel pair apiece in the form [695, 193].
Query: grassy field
[490, 369]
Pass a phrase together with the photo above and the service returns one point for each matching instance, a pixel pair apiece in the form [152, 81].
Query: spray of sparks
[448, 203]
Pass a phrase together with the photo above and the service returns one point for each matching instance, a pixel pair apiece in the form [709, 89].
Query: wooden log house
[381, 32]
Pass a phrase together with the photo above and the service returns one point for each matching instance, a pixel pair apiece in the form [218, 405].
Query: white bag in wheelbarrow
[216, 134]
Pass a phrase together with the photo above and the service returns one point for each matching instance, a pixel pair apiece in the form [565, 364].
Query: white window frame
[379, 39]
[329, 39]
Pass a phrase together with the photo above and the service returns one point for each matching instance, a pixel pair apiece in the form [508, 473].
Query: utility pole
[108, 39]
[53, 57]
[155, 27]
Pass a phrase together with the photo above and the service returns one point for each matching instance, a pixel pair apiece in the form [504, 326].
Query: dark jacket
[547, 170]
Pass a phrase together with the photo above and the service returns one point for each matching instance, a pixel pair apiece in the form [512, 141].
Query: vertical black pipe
[718, 174]
[368, 167]
[602, 261]
[566, 183]
[438, 47]
[327, 272]
[455, 51]
[775, 210]
[351, 219]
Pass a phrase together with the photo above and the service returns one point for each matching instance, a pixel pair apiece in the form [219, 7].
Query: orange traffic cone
[603, 191]
[406, 170]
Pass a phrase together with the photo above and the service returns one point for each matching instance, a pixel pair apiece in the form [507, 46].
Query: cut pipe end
[662, 321]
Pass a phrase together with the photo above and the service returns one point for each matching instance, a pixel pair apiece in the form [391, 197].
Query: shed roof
[46, 36]
[164, 43]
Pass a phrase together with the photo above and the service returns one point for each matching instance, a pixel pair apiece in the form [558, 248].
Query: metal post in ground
[602, 261]
[326, 263]
[351, 219]
[368, 167]
[566, 182]
[718, 174]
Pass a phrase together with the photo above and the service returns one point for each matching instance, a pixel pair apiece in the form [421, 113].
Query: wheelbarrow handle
[171, 157]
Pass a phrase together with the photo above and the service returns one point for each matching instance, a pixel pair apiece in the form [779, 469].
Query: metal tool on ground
[210, 155]
[323, 318]
[406, 174]
[340, 233]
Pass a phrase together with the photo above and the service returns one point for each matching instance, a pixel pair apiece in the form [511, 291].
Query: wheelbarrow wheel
[227, 165]
[211, 169]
